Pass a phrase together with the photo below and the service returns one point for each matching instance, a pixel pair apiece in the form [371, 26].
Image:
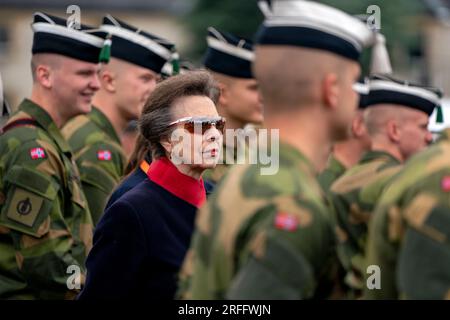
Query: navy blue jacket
[139, 245]
[136, 177]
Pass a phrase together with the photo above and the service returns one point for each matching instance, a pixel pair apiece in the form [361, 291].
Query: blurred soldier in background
[409, 233]
[127, 81]
[45, 223]
[396, 117]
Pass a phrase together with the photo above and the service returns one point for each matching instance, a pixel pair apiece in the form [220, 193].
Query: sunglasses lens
[190, 127]
[220, 125]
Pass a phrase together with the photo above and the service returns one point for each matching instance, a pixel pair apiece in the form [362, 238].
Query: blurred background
[417, 32]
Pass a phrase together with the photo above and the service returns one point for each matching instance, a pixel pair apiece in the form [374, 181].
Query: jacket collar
[164, 173]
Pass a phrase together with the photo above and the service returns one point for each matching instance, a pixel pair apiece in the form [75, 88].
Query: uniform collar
[164, 173]
[335, 165]
[45, 122]
[103, 122]
[378, 154]
[296, 157]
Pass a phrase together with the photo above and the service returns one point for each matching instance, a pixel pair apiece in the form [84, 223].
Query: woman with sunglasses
[141, 240]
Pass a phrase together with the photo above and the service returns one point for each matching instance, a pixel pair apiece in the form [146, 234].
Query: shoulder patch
[24, 207]
[37, 153]
[104, 155]
[286, 221]
[445, 184]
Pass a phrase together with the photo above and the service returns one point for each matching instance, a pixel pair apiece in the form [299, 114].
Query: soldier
[272, 237]
[347, 153]
[396, 117]
[229, 59]
[45, 223]
[127, 81]
[409, 234]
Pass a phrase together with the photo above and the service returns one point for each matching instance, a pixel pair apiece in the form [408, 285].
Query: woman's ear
[330, 91]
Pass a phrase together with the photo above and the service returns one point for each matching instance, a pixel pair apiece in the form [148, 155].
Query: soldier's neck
[305, 133]
[349, 152]
[109, 109]
[379, 145]
[47, 103]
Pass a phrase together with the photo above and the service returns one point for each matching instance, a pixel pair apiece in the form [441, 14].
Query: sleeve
[116, 257]
[423, 269]
[290, 256]
[101, 167]
[351, 227]
[34, 215]
[263, 278]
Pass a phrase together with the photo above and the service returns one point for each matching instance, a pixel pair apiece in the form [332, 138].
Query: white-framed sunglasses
[206, 123]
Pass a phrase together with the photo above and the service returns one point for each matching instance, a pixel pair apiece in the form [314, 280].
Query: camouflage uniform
[409, 236]
[353, 197]
[263, 236]
[333, 170]
[99, 156]
[45, 224]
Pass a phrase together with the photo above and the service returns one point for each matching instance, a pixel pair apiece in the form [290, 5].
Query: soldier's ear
[330, 91]
[358, 126]
[108, 80]
[43, 76]
[393, 131]
[224, 94]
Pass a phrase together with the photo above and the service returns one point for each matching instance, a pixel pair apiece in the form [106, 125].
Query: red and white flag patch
[104, 155]
[37, 153]
[286, 221]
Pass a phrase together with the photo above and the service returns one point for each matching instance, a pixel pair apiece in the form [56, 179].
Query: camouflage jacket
[45, 224]
[333, 170]
[263, 236]
[353, 197]
[409, 237]
[99, 155]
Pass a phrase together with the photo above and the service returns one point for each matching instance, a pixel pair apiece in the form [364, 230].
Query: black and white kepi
[386, 90]
[136, 46]
[362, 88]
[228, 54]
[55, 35]
[313, 25]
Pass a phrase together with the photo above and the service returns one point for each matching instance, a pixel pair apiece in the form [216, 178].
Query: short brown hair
[157, 115]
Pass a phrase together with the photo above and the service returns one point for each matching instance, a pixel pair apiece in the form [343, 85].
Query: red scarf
[164, 173]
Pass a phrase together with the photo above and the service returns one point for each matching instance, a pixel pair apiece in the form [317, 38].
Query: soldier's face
[198, 150]
[242, 102]
[74, 85]
[133, 88]
[413, 133]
